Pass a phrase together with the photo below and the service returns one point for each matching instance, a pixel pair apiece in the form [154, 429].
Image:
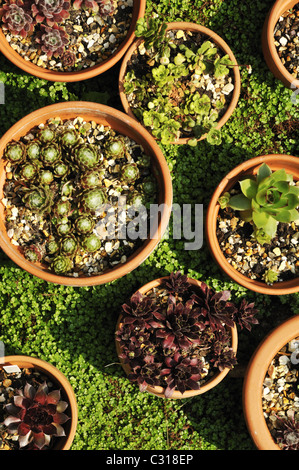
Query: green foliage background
[73, 328]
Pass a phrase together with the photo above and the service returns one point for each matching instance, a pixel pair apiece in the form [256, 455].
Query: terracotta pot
[67, 393]
[159, 391]
[276, 162]
[254, 378]
[29, 67]
[217, 40]
[269, 49]
[121, 123]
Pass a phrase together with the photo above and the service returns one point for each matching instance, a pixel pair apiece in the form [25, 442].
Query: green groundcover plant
[74, 328]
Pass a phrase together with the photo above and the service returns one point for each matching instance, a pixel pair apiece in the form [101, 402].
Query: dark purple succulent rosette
[177, 336]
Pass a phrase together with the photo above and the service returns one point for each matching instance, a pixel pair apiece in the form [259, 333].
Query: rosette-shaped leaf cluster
[179, 326]
[50, 11]
[38, 199]
[106, 7]
[266, 200]
[36, 415]
[15, 152]
[287, 432]
[52, 40]
[16, 18]
[170, 334]
[91, 5]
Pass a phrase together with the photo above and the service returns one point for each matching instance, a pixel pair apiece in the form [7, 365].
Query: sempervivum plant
[35, 416]
[265, 200]
[52, 40]
[16, 18]
[51, 11]
[63, 191]
[176, 336]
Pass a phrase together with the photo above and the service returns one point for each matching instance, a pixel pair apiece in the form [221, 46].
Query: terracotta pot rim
[91, 72]
[254, 377]
[62, 381]
[219, 41]
[211, 383]
[279, 7]
[279, 288]
[140, 133]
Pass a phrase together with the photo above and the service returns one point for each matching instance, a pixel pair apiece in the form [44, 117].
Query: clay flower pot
[275, 162]
[32, 69]
[209, 384]
[269, 49]
[123, 124]
[61, 382]
[211, 36]
[254, 378]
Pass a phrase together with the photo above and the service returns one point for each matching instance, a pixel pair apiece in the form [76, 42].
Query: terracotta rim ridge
[158, 391]
[276, 161]
[56, 375]
[254, 378]
[269, 49]
[32, 69]
[219, 41]
[124, 124]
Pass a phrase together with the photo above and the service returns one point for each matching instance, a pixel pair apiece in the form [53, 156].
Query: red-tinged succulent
[34, 253]
[52, 40]
[215, 307]
[36, 415]
[68, 59]
[181, 373]
[146, 373]
[179, 326]
[177, 283]
[182, 329]
[223, 355]
[16, 19]
[287, 434]
[50, 11]
[87, 5]
[245, 315]
[106, 7]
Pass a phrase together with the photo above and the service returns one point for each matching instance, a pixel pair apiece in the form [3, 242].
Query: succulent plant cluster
[287, 433]
[45, 19]
[265, 200]
[35, 416]
[177, 336]
[59, 184]
[173, 80]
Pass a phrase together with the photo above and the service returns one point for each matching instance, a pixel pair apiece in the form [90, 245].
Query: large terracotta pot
[254, 378]
[27, 66]
[121, 123]
[67, 393]
[269, 49]
[276, 162]
[217, 40]
[159, 391]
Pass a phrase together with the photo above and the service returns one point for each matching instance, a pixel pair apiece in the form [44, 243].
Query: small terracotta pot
[67, 393]
[254, 378]
[276, 162]
[123, 124]
[217, 40]
[32, 69]
[159, 391]
[269, 49]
